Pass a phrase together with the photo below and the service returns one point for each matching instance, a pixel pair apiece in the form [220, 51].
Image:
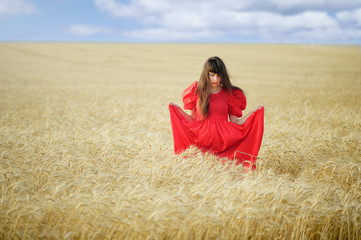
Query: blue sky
[261, 21]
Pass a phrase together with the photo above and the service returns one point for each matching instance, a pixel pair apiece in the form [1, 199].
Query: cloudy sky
[264, 21]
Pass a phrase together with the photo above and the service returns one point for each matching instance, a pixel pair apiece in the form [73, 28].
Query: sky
[225, 21]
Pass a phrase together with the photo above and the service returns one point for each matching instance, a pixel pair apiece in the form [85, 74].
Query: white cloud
[160, 34]
[328, 35]
[350, 17]
[274, 21]
[17, 7]
[305, 20]
[143, 8]
[219, 19]
[309, 5]
[86, 30]
[115, 9]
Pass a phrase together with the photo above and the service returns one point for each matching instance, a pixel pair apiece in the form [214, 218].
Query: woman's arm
[191, 117]
[243, 119]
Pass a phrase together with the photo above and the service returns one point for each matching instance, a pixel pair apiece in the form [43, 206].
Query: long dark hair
[215, 65]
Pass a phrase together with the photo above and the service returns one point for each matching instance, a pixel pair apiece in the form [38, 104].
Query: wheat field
[86, 149]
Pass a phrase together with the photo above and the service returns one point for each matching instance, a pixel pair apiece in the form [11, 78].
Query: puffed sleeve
[189, 96]
[236, 103]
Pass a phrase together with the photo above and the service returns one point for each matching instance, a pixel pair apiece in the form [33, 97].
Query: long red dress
[216, 134]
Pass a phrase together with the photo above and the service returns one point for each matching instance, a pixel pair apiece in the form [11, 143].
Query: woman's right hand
[173, 104]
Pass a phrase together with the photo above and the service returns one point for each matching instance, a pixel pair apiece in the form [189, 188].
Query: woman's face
[214, 78]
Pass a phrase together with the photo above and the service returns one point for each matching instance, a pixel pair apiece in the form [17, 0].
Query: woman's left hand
[173, 104]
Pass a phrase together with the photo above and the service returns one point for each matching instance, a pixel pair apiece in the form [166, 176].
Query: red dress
[216, 134]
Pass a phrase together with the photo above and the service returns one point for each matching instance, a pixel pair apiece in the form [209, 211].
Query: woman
[216, 123]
